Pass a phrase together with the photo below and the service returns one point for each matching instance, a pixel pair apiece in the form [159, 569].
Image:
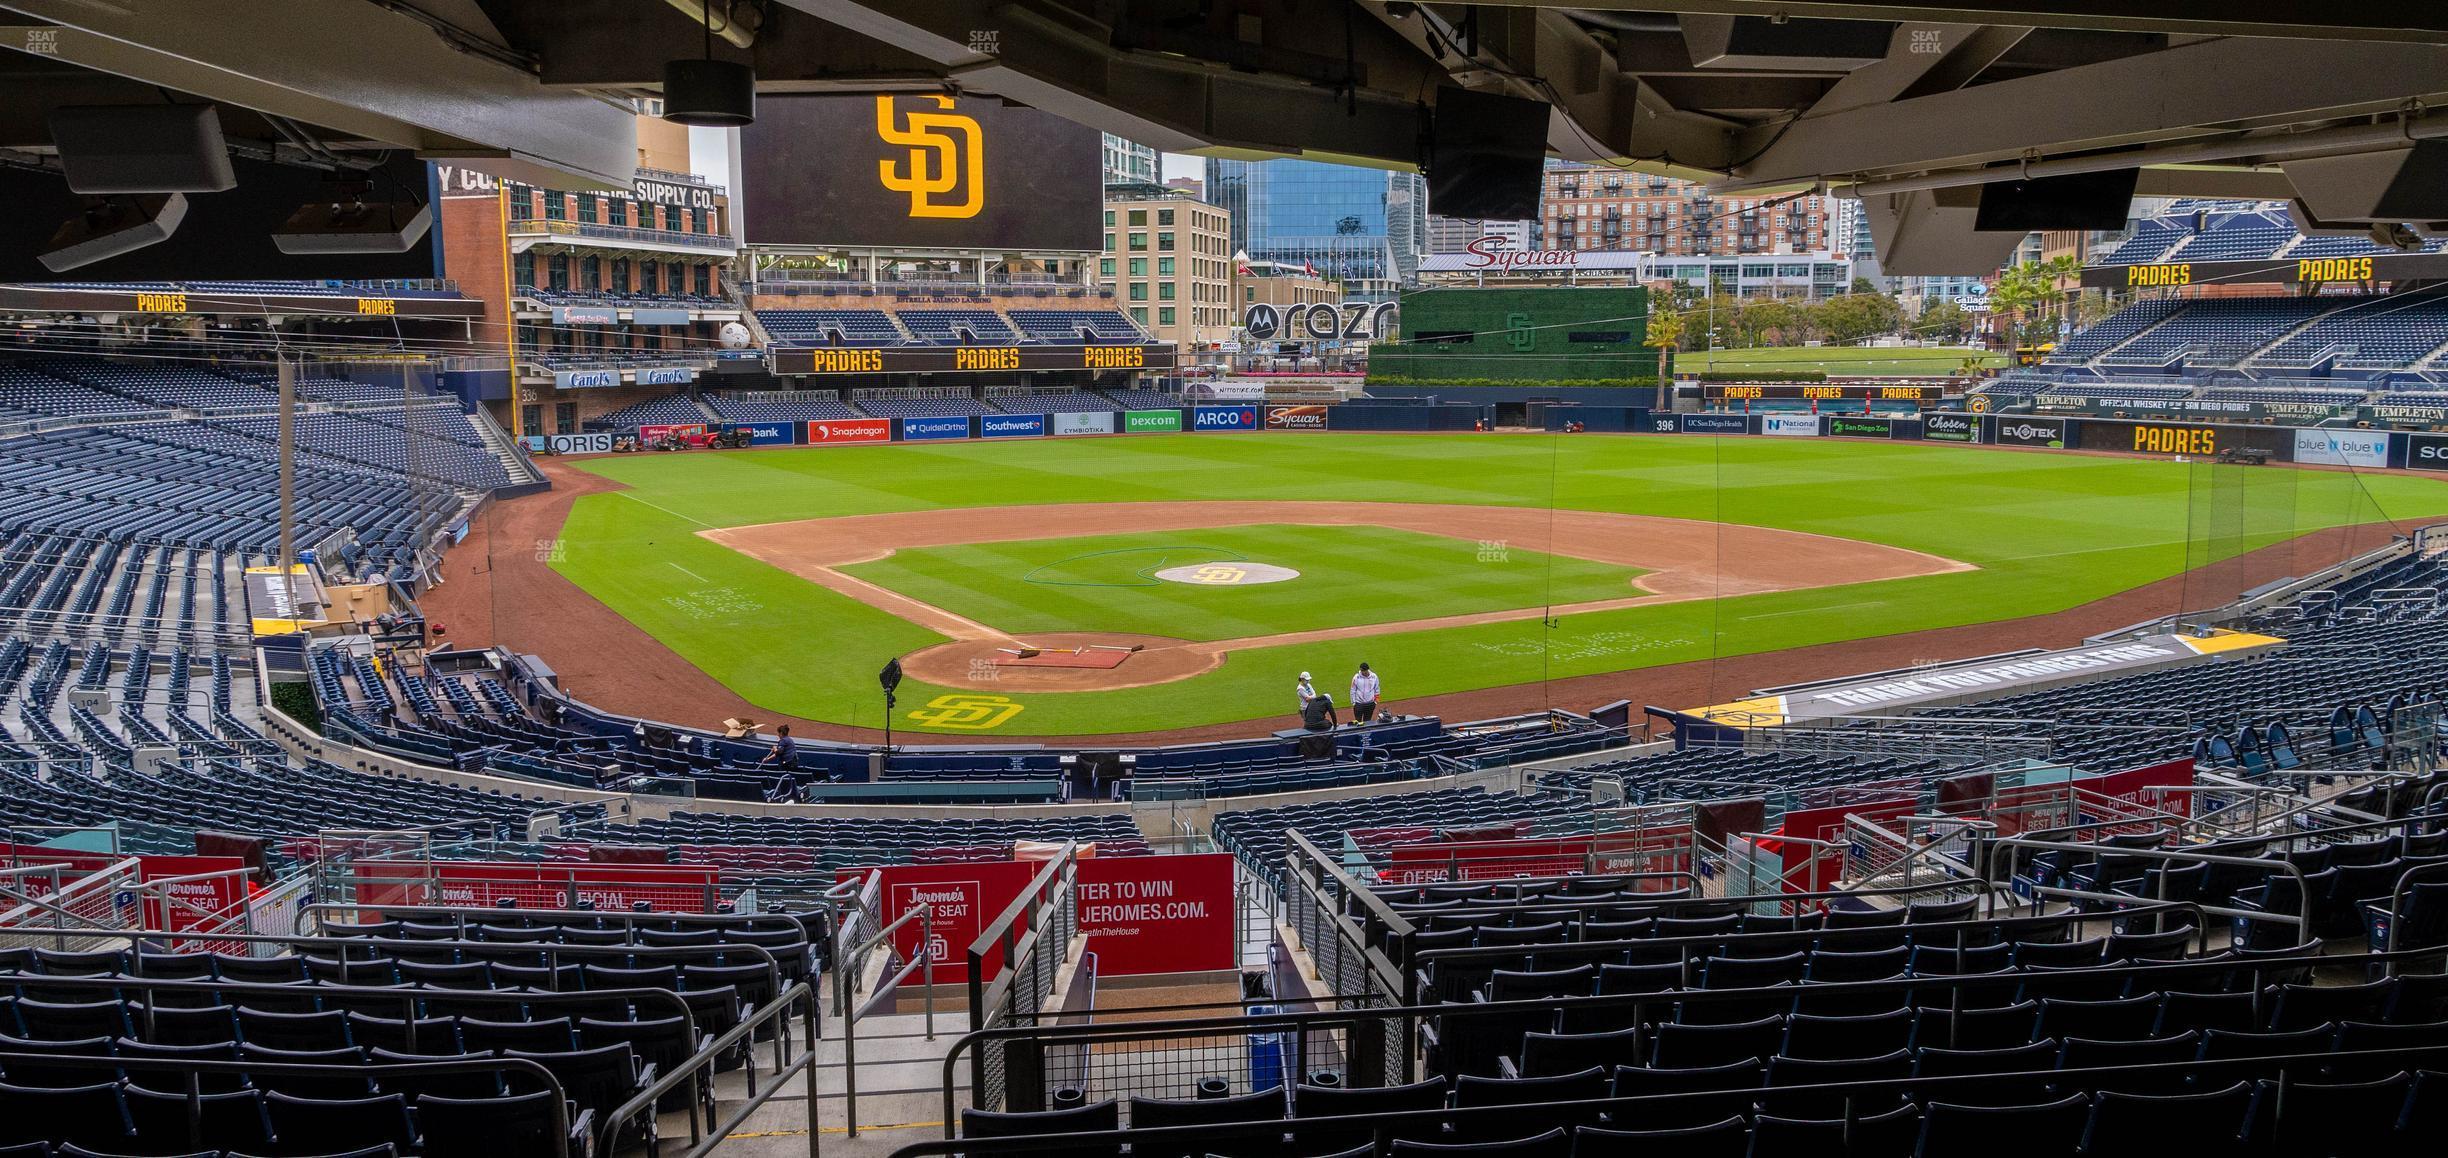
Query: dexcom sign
[2342, 447]
[1224, 418]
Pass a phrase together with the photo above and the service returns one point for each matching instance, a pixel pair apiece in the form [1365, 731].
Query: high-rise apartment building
[1128, 162]
[1364, 228]
[1168, 257]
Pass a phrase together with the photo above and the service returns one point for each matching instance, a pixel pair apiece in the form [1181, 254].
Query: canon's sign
[1496, 253]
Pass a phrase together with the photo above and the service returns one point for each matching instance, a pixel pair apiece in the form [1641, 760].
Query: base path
[1682, 559]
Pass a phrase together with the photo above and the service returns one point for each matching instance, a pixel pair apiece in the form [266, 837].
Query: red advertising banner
[2083, 800]
[675, 430]
[1159, 914]
[192, 903]
[965, 898]
[829, 432]
[1660, 848]
[480, 884]
[2134, 787]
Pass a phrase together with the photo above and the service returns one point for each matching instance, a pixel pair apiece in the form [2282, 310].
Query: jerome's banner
[674, 430]
[963, 897]
[1011, 425]
[1085, 422]
[1716, 424]
[1940, 426]
[2427, 451]
[766, 433]
[2019, 431]
[1842, 427]
[2342, 447]
[1790, 425]
[1151, 422]
[1159, 914]
[927, 429]
[1224, 418]
[1296, 418]
[830, 432]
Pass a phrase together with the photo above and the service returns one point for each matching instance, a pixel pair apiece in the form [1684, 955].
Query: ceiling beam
[354, 68]
[2367, 20]
[2186, 91]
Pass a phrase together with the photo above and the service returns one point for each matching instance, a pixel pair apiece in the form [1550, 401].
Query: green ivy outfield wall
[1535, 336]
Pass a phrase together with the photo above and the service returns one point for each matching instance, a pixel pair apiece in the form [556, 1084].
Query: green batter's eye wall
[1533, 336]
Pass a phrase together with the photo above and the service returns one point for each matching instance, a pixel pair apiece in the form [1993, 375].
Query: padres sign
[946, 152]
[966, 711]
[1227, 574]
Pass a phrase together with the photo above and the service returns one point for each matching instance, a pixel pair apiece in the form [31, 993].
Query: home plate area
[1091, 657]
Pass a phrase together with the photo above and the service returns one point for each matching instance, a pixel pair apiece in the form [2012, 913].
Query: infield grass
[2048, 531]
[1348, 576]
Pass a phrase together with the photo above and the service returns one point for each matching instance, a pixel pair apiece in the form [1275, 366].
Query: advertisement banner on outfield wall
[1939, 426]
[2427, 451]
[1839, 426]
[1223, 418]
[1084, 422]
[2342, 447]
[1716, 424]
[837, 431]
[929, 429]
[2015, 430]
[597, 443]
[767, 433]
[670, 430]
[1151, 422]
[1011, 426]
[1790, 425]
[1296, 418]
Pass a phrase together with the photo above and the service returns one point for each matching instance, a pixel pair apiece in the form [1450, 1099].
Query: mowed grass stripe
[1348, 576]
[2048, 531]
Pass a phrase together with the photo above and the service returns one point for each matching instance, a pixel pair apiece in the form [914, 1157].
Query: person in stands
[1303, 692]
[1318, 715]
[1363, 695]
[785, 752]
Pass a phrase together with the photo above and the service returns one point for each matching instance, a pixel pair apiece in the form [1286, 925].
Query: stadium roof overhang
[1912, 107]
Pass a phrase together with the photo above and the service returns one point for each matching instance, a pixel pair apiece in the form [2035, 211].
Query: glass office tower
[1366, 228]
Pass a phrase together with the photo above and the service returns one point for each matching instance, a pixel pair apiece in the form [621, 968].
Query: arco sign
[1320, 321]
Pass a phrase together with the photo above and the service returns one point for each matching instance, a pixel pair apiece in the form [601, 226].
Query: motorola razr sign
[1321, 321]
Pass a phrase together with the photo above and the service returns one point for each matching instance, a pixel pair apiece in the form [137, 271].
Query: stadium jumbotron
[754, 577]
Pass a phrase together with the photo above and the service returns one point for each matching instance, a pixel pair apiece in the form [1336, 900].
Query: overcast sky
[1184, 165]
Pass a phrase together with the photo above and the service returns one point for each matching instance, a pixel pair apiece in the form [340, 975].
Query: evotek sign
[945, 171]
[2031, 432]
[1320, 321]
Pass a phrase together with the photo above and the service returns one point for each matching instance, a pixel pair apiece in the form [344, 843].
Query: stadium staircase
[523, 473]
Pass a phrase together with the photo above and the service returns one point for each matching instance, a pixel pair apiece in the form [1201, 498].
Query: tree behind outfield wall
[1855, 316]
[1943, 321]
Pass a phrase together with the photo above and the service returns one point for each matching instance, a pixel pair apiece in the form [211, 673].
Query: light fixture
[708, 92]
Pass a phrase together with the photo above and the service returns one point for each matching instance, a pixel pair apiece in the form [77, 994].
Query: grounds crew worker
[1363, 695]
[1304, 691]
[1318, 714]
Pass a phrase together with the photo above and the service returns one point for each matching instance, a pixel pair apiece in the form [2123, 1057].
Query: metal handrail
[2145, 974]
[2301, 919]
[785, 1067]
[845, 979]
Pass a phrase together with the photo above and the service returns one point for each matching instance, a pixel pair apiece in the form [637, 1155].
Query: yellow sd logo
[944, 147]
[968, 712]
[1218, 573]
[1979, 403]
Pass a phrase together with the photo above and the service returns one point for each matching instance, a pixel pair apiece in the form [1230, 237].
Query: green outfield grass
[1348, 575]
[1841, 361]
[2048, 532]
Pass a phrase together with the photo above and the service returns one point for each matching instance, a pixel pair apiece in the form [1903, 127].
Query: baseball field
[1099, 586]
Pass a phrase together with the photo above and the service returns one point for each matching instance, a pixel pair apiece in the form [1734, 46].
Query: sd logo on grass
[967, 711]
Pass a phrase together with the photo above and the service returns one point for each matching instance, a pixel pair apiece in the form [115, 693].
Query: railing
[588, 229]
[852, 971]
[1012, 965]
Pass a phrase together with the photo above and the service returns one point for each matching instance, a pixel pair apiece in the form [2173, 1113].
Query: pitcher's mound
[1234, 574]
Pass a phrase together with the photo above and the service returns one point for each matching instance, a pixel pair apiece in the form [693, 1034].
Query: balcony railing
[590, 230]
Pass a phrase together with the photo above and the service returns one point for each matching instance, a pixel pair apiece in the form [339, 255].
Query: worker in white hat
[1305, 692]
